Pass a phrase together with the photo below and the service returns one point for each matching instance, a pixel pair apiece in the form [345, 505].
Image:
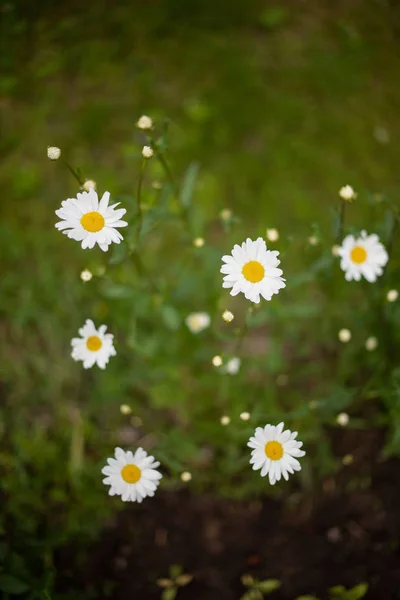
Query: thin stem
[242, 333]
[341, 220]
[74, 173]
[138, 200]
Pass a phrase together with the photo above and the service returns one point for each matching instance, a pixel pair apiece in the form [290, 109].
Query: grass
[279, 107]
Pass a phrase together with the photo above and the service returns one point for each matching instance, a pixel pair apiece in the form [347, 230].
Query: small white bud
[313, 240]
[186, 476]
[228, 316]
[86, 275]
[335, 250]
[125, 409]
[225, 420]
[371, 343]
[89, 184]
[344, 335]
[53, 153]
[392, 295]
[147, 152]
[245, 416]
[347, 459]
[198, 321]
[144, 122]
[198, 242]
[225, 214]
[272, 235]
[343, 419]
[232, 366]
[217, 361]
[347, 193]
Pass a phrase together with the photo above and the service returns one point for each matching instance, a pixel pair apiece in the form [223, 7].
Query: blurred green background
[280, 104]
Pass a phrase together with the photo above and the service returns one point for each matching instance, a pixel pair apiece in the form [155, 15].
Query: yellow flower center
[358, 255]
[93, 343]
[253, 271]
[274, 450]
[131, 473]
[92, 221]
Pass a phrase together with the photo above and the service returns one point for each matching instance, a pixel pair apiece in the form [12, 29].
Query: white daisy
[274, 452]
[94, 345]
[89, 221]
[198, 321]
[131, 476]
[252, 270]
[364, 256]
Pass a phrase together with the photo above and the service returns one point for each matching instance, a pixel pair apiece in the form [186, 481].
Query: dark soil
[341, 536]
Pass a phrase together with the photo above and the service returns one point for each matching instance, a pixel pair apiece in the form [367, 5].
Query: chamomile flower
[364, 256]
[131, 476]
[89, 221]
[275, 451]
[95, 346]
[252, 270]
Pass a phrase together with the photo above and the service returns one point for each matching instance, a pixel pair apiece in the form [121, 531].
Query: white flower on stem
[95, 346]
[89, 221]
[364, 256]
[225, 420]
[132, 476]
[89, 184]
[144, 122]
[343, 419]
[186, 476]
[245, 416]
[392, 295]
[225, 214]
[228, 316]
[217, 360]
[275, 451]
[232, 366]
[347, 193]
[53, 153]
[198, 242]
[252, 270]
[344, 335]
[147, 152]
[86, 275]
[198, 321]
[272, 235]
[371, 343]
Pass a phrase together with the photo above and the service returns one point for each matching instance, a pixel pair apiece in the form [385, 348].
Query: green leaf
[358, 591]
[338, 591]
[117, 290]
[307, 597]
[11, 585]
[269, 585]
[171, 317]
[175, 571]
[169, 593]
[189, 181]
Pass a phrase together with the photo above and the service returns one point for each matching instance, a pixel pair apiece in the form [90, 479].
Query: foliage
[272, 132]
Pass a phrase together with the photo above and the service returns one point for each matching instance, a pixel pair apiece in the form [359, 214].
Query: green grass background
[280, 104]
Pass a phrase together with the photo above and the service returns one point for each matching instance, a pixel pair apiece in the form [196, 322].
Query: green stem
[242, 334]
[138, 200]
[341, 220]
[74, 173]
[142, 271]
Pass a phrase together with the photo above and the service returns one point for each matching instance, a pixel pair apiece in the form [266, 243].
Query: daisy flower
[89, 221]
[252, 270]
[364, 256]
[274, 452]
[94, 345]
[131, 476]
